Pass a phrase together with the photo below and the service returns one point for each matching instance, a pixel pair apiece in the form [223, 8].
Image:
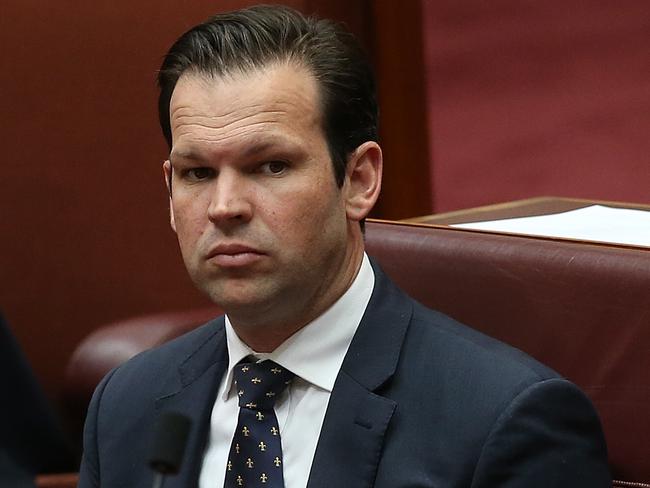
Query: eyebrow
[185, 154]
[250, 149]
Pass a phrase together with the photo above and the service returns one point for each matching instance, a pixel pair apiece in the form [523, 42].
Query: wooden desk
[519, 208]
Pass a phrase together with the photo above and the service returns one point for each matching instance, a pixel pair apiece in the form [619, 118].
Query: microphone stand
[169, 442]
[158, 479]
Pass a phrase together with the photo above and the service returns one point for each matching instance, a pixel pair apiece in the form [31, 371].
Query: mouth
[233, 255]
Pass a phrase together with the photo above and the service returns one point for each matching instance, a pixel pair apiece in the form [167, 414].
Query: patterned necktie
[255, 458]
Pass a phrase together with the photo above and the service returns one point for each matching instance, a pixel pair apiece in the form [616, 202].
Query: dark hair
[253, 38]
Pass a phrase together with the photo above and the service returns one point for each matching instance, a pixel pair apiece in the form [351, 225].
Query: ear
[363, 180]
[167, 171]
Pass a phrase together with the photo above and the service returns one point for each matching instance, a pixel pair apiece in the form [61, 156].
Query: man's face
[262, 226]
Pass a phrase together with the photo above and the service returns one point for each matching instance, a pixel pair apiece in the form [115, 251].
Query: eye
[274, 167]
[198, 174]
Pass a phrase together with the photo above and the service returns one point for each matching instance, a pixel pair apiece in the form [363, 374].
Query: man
[271, 121]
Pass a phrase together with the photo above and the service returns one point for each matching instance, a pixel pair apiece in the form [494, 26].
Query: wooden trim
[61, 480]
[519, 208]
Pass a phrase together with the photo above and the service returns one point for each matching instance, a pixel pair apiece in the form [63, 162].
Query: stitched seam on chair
[631, 484]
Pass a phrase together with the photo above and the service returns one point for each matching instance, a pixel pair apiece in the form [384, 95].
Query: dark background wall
[523, 100]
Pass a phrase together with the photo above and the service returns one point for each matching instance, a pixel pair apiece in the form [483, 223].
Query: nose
[230, 203]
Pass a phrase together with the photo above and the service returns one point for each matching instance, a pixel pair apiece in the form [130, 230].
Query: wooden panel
[398, 55]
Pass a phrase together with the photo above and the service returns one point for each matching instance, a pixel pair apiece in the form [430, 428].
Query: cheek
[310, 218]
[190, 222]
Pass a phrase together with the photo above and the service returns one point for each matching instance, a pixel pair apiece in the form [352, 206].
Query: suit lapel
[352, 437]
[199, 374]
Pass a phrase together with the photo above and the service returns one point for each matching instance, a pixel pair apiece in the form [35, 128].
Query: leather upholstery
[581, 308]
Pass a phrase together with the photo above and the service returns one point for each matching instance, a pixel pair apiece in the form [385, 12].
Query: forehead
[279, 99]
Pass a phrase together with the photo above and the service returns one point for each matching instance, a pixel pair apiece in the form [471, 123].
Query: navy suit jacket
[420, 401]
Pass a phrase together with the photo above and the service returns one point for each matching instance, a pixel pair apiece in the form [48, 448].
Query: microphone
[169, 441]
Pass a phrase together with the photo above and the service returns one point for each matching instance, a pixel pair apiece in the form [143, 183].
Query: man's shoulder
[159, 368]
[433, 339]
[467, 377]
[181, 348]
[466, 347]
[127, 400]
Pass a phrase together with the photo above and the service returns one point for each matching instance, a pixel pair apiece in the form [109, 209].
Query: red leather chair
[581, 308]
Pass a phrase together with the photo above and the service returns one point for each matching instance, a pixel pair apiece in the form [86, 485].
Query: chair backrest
[581, 308]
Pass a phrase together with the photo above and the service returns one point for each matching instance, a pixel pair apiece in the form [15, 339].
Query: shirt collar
[315, 353]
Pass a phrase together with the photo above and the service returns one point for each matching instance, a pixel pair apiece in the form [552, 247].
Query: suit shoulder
[175, 350]
[433, 339]
[471, 379]
[157, 368]
[451, 342]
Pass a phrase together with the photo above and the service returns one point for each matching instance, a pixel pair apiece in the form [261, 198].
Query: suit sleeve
[89, 470]
[549, 436]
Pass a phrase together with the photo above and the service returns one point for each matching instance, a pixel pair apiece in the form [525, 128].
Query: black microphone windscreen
[169, 441]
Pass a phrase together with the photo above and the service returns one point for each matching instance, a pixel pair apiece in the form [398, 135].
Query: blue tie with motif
[255, 459]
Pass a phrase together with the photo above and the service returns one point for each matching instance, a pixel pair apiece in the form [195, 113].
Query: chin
[245, 296]
[233, 301]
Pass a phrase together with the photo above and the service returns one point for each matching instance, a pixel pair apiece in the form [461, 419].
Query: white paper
[593, 223]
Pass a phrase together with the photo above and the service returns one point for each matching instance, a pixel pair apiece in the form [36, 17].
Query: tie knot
[260, 384]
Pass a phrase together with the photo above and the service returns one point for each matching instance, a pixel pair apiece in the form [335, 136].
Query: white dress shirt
[315, 354]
